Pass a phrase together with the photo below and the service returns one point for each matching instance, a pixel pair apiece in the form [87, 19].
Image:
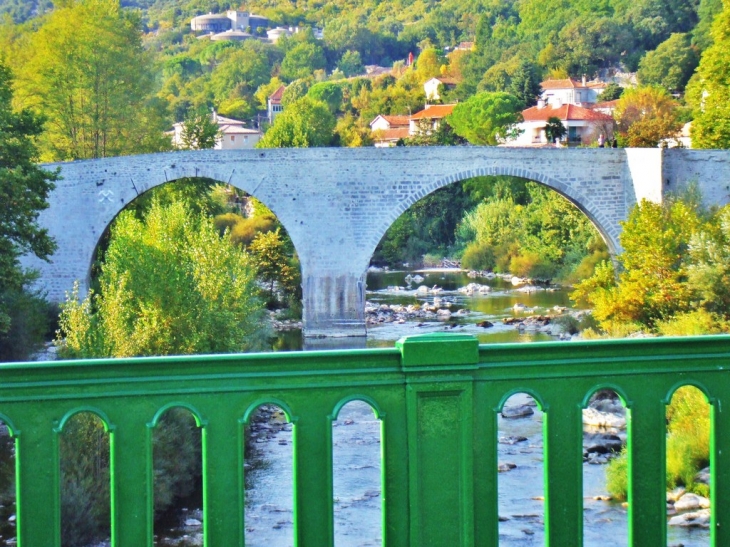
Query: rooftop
[433, 111]
[565, 112]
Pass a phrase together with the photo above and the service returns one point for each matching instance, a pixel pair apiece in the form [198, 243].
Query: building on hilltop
[231, 20]
[233, 134]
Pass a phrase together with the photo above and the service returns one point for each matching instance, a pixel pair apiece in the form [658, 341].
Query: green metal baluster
[131, 472]
[647, 465]
[313, 513]
[223, 477]
[38, 476]
[395, 474]
[563, 470]
[720, 465]
[486, 491]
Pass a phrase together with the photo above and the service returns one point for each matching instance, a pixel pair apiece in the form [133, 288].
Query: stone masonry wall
[337, 203]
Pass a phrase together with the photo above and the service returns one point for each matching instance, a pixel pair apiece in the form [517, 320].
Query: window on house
[233, 137]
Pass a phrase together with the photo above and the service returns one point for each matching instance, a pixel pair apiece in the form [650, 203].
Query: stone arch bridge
[337, 203]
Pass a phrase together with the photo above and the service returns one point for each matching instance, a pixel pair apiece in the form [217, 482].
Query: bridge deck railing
[438, 399]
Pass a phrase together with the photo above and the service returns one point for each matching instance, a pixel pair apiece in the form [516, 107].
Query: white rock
[596, 418]
[690, 502]
[700, 519]
[193, 523]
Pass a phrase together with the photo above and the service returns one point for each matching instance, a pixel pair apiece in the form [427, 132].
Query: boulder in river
[519, 411]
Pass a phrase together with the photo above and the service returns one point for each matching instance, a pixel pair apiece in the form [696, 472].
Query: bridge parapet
[437, 396]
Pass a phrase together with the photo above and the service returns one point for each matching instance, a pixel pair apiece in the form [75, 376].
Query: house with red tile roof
[388, 130]
[570, 91]
[274, 103]
[429, 118]
[583, 125]
[233, 134]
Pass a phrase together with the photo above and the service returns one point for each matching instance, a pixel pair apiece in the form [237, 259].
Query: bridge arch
[583, 203]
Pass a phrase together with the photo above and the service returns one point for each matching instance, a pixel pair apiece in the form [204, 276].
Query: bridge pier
[334, 305]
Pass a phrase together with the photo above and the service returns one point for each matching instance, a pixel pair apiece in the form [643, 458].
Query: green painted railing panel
[437, 397]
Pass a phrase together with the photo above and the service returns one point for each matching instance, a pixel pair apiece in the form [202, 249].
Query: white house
[582, 125]
[274, 106]
[231, 20]
[431, 87]
[569, 91]
[233, 134]
[388, 130]
[430, 117]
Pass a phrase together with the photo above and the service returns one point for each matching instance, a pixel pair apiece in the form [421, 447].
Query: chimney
[540, 103]
[584, 80]
[556, 103]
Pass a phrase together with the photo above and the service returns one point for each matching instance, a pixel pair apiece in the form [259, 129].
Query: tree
[709, 90]
[350, 63]
[652, 284]
[486, 118]
[271, 256]
[302, 60]
[646, 115]
[329, 93]
[525, 83]
[670, 65]
[612, 92]
[304, 123]
[24, 189]
[199, 131]
[554, 129]
[90, 77]
[168, 285]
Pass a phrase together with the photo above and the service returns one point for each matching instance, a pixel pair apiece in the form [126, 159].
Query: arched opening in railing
[268, 476]
[85, 486]
[604, 447]
[688, 467]
[177, 472]
[357, 473]
[520, 459]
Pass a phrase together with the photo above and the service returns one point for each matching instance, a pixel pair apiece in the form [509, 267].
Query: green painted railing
[438, 398]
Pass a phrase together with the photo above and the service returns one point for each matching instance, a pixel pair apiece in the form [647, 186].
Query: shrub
[688, 440]
[478, 256]
[531, 264]
[693, 323]
[245, 231]
[617, 476]
[227, 221]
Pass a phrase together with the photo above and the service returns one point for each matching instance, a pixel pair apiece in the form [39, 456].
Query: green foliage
[525, 83]
[554, 129]
[351, 63]
[617, 476]
[304, 123]
[199, 131]
[670, 65]
[478, 256]
[169, 285]
[245, 230]
[295, 91]
[646, 115]
[88, 74]
[271, 252]
[328, 93]
[612, 92]
[688, 439]
[486, 118]
[24, 189]
[302, 60]
[709, 90]
[31, 319]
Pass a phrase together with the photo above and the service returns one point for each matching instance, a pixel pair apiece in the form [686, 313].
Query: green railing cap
[438, 349]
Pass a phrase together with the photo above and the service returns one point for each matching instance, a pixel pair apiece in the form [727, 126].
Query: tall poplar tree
[88, 74]
[24, 188]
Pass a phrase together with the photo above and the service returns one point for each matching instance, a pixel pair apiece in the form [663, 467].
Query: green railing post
[313, 511]
[394, 444]
[563, 469]
[647, 464]
[131, 473]
[439, 403]
[222, 477]
[486, 482]
[38, 499]
[720, 464]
